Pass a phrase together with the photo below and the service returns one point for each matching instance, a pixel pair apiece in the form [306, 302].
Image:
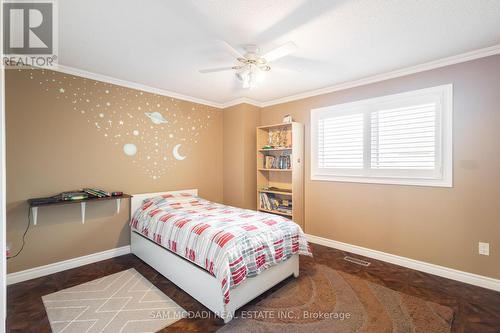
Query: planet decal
[154, 133]
[130, 149]
[176, 154]
[156, 117]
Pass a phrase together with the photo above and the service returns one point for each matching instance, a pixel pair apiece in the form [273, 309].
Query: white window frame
[443, 175]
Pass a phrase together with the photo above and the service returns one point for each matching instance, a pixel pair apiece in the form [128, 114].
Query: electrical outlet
[484, 249]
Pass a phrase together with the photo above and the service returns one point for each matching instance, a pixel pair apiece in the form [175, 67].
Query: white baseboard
[66, 264]
[450, 273]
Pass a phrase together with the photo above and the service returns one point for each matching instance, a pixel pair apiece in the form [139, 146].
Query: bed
[171, 232]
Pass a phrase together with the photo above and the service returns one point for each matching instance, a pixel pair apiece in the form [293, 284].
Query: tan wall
[52, 147]
[240, 175]
[437, 225]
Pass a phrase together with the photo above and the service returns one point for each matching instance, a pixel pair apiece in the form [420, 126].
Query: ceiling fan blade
[218, 69]
[237, 54]
[286, 69]
[280, 51]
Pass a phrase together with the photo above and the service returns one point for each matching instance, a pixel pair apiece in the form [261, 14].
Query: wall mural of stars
[155, 132]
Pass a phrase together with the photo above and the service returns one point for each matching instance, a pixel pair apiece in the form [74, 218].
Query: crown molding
[137, 86]
[242, 100]
[464, 57]
[460, 58]
[132, 85]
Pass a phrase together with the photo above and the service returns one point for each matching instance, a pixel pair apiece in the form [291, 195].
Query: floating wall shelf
[83, 204]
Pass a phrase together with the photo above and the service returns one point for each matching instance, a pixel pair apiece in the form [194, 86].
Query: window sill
[385, 181]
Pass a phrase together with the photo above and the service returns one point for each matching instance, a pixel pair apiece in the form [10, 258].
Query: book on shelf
[95, 192]
[276, 189]
[68, 196]
[283, 209]
[268, 147]
[277, 162]
[270, 202]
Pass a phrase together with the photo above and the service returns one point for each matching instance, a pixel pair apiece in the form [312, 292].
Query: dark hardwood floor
[476, 309]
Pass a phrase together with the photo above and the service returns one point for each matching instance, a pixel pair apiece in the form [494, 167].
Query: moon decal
[140, 127]
[176, 154]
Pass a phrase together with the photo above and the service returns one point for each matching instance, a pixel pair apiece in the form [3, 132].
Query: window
[397, 139]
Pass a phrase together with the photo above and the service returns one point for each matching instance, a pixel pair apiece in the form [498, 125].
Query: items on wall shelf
[82, 197]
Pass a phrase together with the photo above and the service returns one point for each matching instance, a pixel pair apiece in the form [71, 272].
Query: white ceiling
[163, 43]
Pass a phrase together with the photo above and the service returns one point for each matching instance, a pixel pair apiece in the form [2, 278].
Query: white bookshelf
[282, 184]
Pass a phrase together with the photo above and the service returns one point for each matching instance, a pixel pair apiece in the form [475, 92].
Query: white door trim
[3, 241]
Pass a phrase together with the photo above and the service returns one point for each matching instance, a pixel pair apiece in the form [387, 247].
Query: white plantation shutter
[398, 139]
[340, 142]
[404, 138]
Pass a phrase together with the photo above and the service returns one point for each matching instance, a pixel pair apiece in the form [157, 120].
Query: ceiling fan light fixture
[252, 65]
[245, 77]
[258, 75]
[254, 79]
[251, 76]
[242, 75]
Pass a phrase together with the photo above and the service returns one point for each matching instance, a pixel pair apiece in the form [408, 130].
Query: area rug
[122, 302]
[326, 300]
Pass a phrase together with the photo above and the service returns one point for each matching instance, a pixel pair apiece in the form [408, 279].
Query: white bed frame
[196, 281]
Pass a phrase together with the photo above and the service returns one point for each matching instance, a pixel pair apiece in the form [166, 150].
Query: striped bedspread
[230, 243]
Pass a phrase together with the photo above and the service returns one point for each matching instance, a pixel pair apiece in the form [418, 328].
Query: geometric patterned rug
[122, 302]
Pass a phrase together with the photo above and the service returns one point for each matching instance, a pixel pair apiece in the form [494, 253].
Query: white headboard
[137, 199]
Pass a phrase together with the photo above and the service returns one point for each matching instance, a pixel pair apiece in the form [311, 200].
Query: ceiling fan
[252, 64]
